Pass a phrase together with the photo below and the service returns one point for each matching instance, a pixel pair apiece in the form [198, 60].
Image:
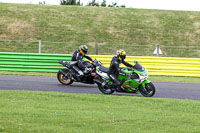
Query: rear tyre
[65, 80]
[105, 90]
[147, 91]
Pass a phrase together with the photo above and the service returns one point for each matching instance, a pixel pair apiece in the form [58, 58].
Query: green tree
[123, 6]
[42, 3]
[103, 3]
[114, 4]
[93, 3]
[70, 2]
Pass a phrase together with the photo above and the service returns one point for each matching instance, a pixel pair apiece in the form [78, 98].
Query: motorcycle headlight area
[134, 76]
[143, 76]
[139, 77]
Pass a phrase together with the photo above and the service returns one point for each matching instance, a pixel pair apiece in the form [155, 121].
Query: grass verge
[24, 111]
[151, 77]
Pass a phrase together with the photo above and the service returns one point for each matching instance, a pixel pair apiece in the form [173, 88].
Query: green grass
[175, 79]
[109, 27]
[28, 73]
[31, 112]
[151, 77]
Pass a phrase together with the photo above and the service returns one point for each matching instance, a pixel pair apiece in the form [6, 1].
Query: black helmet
[121, 54]
[83, 49]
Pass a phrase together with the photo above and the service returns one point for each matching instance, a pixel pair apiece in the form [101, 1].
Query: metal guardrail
[49, 63]
[31, 62]
[168, 66]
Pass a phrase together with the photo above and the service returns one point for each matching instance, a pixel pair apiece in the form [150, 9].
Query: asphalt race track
[38, 83]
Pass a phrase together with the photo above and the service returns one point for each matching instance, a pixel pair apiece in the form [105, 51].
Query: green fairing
[122, 77]
[145, 82]
[126, 70]
[133, 70]
[129, 90]
[130, 83]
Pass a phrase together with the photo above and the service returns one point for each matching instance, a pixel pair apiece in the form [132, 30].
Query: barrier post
[158, 47]
[40, 47]
[96, 45]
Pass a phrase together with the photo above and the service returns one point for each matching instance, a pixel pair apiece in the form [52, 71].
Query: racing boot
[116, 87]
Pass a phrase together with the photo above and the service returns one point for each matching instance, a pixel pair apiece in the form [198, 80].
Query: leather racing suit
[77, 63]
[114, 69]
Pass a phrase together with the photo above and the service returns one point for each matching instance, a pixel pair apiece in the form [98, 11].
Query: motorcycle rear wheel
[105, 90]
[147, 91]
[63, 79]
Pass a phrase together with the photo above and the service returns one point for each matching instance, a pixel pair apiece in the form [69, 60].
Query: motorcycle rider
[114, 68]
[76, 60]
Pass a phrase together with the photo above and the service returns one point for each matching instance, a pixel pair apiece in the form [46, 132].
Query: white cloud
[168, 4]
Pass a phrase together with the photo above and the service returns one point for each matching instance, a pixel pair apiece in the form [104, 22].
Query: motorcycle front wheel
[64, 79]
[105, 90]
[147, 91]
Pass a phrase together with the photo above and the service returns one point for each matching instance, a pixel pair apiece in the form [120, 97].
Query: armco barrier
[31, 62]
[161, 65]
[49, 63]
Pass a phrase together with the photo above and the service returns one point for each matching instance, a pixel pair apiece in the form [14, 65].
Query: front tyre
[64, 79]
[147, 91]
[105, 90]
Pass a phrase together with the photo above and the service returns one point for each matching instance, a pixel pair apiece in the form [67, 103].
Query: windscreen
[138, 67]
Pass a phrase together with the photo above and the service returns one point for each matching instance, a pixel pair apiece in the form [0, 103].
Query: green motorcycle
[133, 80]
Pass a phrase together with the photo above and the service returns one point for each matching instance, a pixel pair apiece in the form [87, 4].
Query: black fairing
[87, 64]
[103, 69]
[87, 78]
[65, 63]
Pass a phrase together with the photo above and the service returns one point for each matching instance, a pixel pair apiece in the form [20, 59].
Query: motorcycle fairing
[145, 82]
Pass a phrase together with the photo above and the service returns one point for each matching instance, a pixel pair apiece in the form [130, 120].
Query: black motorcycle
[68, 75]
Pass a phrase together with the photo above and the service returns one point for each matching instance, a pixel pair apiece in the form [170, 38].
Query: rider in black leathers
[115, 68]
[76, 60]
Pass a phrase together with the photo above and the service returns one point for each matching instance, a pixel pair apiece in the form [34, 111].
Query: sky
[188, 5]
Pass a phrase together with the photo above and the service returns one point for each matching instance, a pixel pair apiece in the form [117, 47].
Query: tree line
[91, 3]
